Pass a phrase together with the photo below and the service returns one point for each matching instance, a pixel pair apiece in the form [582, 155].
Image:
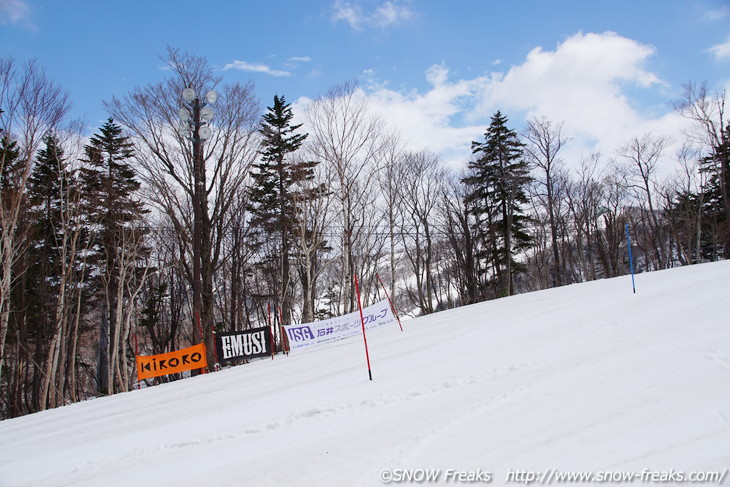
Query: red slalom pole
[273, 343]
[284, 341]
[389, 301]
[362, 321]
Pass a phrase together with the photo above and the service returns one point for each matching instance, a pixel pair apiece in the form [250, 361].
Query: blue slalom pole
[631, 258]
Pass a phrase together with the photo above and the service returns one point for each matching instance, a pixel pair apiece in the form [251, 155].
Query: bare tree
[71, 248]
[389, 180]
[706, 110]
[614, 215]
[131, 275]
[345, 135]
[30, 106]
[584, 195]
[684, 198]
[643, 154]
[712, 132]
[166, 159]
[422, 188]
[312, 226]
[544, 141]
[462, 243]
[165, 295]
[238, 254]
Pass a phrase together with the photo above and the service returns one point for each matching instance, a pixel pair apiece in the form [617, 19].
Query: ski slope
[587, 378]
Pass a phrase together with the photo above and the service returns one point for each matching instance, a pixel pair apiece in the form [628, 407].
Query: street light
[194, 119]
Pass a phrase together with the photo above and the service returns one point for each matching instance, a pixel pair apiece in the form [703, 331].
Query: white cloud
[717, 15]
[585, 83]
[383, 15]
[390, 13]
[14, 11]
[352, 14]
[582, 82]
[721, 51]
[296, 61]
[428, 120]
[256, 68]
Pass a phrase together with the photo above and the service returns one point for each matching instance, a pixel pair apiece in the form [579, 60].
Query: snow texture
[587, 377]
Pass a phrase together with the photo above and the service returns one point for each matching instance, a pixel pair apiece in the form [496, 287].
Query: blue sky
[436, 70]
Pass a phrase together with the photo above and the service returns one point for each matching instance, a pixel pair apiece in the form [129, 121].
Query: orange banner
[170, 363]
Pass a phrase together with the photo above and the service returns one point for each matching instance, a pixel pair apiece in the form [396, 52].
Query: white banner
[308, 334]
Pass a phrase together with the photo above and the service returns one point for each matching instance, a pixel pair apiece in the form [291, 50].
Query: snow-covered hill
[585, 378]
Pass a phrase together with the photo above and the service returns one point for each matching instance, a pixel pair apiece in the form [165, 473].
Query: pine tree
[717, 194]
[48, 185]
[49, 264]
[9, 154]
[274, 193]
[110, 185]
[497, 188]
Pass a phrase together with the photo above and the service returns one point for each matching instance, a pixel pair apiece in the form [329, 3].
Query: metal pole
[631, 258]
[197, 220]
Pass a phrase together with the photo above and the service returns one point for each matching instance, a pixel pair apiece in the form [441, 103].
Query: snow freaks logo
[252, 343]
[426, 476]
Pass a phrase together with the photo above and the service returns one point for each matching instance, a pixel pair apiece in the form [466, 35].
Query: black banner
[252, 343]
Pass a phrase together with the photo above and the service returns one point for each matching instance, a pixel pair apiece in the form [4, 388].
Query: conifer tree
[497, 188]
[9, 153]
[717, 194]
[274, 193]
[110, 186]
[49, 264]
[47, 186]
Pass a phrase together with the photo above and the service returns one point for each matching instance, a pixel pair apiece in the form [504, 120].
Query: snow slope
[587, 378]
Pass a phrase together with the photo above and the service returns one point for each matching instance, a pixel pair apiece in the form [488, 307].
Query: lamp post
[194, 120]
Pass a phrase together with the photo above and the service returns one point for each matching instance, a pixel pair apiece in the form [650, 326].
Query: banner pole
[389, 301]
[631, 259]
[136, 352]
[273, 343]
[202, 336]
[216, 365]
[284, 341]
[362, 321]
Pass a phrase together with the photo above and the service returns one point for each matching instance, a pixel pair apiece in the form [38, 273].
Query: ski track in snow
[89, 468]
[723, 418]
[719, 358]
[314, 413]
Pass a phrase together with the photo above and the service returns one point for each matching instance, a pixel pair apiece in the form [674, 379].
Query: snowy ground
[584, 378]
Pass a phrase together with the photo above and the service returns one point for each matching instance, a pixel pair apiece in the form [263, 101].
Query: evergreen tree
[48, 186]
[274, 193]
[9, 153]
[717, 194]
[497, 189]
[110, 186]
[47, 191]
